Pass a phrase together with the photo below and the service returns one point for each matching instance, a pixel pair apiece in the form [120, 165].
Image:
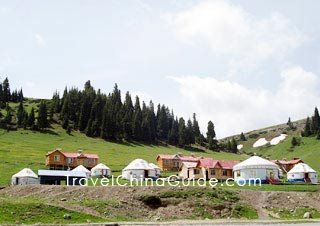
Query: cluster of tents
[257, 168]
[137, 169]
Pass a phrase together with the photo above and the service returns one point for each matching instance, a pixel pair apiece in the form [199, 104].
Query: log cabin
[57, 159]
[174, 162]
[207, 168]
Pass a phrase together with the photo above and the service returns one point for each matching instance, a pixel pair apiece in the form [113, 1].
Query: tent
[81, 168]
[25, 176]
[254, 169]
[101, 170]
[157, 168]
[301, 172]
[138, 169]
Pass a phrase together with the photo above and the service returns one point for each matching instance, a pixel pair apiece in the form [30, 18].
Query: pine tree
[2, 104]
[294, 141]
[6, 91]
[173, 137]
[211, 134]
[196, 129]
[127, 120]
[242, 137]
[152, 122]
[145, 125]
[316, 121]
[307, 128]
[8, 116]
[42, 120]
[137, 121]
[162, 123]
[190, 136]
[25, 120]
[182, 132]
[31, 119]
[234, 145]
[20, 115]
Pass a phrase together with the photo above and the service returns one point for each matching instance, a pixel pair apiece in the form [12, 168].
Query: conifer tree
[31, 119]
[173, 137]
[20, 115]
[307, 128]
[242, 137]
[137, 121]
[196, 129]
[234, 145]
[190, 136]
[6, 91]
[127, 120]
[42, 120]
[211, 134]
[316, 121]
[182, 132]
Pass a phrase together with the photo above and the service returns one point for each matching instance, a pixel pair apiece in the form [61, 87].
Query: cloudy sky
[242, 64]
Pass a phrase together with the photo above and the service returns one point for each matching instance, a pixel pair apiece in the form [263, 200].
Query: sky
[241, 64]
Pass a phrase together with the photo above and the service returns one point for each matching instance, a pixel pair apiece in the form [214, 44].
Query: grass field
[25, 148]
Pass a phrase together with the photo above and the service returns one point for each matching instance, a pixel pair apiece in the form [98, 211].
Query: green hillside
[308, 150]
[26, 148]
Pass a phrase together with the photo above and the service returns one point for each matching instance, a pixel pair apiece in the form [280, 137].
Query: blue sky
[241, 64]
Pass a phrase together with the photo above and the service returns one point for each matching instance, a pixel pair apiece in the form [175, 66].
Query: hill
[308, 150]
[26, 148]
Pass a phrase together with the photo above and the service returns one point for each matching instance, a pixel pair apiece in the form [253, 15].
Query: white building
[157, 169]
[138, 169]
[25, 176]
[255, 169]
[81, 168]
[101, 170]
[301, 172]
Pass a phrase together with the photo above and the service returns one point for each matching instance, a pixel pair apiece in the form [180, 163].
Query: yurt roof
[255, 162]
[154, 166]
[302, 168]
[138, 164]
[26, 172]
[82, 169]
[100, 166]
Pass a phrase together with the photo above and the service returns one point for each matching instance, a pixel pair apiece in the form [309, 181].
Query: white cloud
[40, 40]
[235, 108]
[231, 31]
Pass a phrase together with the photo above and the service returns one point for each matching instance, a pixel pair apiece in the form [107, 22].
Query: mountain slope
[26, 148]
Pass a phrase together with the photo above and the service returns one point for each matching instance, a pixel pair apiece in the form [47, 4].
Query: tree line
[312, 125]
[105, 115]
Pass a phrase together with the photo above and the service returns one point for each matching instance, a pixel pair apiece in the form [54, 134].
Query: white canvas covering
[259, 143]
[81, 168]
[301, 172]
[139, 169]
[101, 170]
[239, 146]
[25, 176]
[157, 168]
[257, 168]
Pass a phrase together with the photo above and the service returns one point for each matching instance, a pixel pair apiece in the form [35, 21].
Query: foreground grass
[25, 148]
[32, 211]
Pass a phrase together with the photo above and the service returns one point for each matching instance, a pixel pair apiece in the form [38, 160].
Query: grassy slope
[308, 150]
[25, 148]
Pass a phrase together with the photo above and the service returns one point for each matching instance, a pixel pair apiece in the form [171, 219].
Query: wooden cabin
[285, 165]
[174, 162]
[57, 159]
[207, 168]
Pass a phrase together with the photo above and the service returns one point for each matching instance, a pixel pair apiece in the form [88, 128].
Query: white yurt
[25, 176]
[157, 168]
[81, 168]
[255, 168]
[138, 169]
[302, 173]
[101, 170]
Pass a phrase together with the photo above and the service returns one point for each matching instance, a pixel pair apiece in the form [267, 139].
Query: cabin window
[91, 161]
[70, 160]
[56, 158]
[225, 172]
[196, 171]
[167, 162]
[213, 172]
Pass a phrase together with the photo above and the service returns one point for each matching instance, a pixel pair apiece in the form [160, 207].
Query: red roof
[207, 163]
[290, 162]
[227, 164]
[181, 157]
[76, 155]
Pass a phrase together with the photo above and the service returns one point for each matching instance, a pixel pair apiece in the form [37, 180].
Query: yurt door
[270, 174]
[146, 173]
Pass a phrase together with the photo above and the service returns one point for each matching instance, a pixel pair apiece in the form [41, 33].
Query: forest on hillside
[107, 116]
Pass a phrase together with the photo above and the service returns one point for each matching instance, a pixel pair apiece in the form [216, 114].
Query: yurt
[255, 168]
[301, 172]
[138, 169]
[81, 168]
[101, 170]
[25, 176]
[157, 169]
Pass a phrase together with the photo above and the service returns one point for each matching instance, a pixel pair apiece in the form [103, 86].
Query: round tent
[101, 170]
[25, 176]
[157, 168]
[254, 169]
[138, 169]
[302, 172]
[81, 168]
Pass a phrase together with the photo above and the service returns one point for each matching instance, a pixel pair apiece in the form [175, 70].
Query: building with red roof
[207, 168]
[285, 165]
[174, 162]
[57, 159]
